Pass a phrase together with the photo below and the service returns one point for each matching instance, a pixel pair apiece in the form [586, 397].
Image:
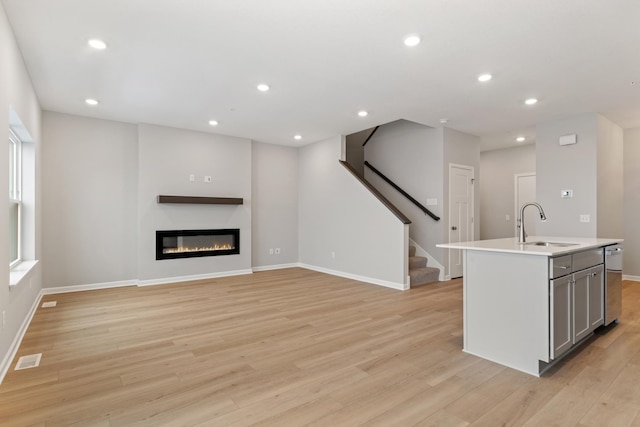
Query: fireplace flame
[183, 249]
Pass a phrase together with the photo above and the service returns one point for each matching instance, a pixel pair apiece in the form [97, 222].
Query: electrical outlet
[507, 217]
[585, 218]
[333, 255]
[192, 178]
[277, 251]
[270, 251]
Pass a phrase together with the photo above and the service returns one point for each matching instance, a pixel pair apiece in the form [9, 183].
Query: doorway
[525, 191]
[461, 208]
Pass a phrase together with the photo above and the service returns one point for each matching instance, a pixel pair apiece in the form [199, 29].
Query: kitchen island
[527, 305]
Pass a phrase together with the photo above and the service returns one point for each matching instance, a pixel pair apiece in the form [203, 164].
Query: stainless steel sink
[557, 244]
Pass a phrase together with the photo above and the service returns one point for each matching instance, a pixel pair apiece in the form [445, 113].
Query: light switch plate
[585, 218]
[432, 202]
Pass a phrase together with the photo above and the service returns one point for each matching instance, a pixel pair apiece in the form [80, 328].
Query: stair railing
[404, 193]
[376, 193]
[370, 135]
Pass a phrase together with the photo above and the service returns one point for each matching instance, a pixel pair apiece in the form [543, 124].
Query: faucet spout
[522, 238]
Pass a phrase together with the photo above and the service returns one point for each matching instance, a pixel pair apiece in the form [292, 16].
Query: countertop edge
[510, 245]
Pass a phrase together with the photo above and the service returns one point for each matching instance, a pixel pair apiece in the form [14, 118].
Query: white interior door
[461, 180]
[526, 192]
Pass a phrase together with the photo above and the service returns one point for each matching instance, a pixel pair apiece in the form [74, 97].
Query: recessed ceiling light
[213, 122]
[412, 40]
[90, 101]
[484, 77]
[97, 44]
[520, 139]
[363, 113]
[297, 137]
[263, 87]
[531, 101]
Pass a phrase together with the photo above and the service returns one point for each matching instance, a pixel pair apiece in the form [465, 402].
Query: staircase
[419, 273]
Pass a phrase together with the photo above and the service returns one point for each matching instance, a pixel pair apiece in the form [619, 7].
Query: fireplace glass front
[171, 244]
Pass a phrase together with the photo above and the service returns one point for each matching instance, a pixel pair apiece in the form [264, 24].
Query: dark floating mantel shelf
[196, 200]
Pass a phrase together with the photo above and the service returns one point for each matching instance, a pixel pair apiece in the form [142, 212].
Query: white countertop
[511, 245]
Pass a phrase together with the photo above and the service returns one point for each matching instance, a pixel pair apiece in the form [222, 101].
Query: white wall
[90, 181]
[631, 260]
[274, 203]
[497, 188]
[338, 215]
[410, 154]
[610, 179]
[569, 167]
[592, 168]
[166, 158]
[16, 91]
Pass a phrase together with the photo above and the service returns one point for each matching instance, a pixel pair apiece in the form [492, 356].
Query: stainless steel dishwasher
[613, 284]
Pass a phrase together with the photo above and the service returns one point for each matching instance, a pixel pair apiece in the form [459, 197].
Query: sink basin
[556, 244]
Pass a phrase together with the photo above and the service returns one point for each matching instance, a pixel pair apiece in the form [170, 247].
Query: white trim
[89, 287]
[167, 280]
[430, 259]
[275, 267]
[15, 345]
[385, 283]
[631, 278]
[20, 272]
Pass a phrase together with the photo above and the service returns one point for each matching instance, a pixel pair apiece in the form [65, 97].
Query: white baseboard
[386, 284]
[89, 287]
[15, 345]
[275, 267]
[166, 280]
[631, 278]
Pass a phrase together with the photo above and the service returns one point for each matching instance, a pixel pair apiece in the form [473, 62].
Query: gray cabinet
[596, 297]
[580, 305]
[561, 316]
[576, 299]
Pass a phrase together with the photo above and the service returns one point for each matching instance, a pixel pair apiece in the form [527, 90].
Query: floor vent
[30, 361]
[49, 304]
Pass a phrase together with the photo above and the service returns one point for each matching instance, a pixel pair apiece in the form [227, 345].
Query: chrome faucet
[523, 236]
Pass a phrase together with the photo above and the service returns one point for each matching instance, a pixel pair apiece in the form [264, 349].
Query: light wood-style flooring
[295, 347]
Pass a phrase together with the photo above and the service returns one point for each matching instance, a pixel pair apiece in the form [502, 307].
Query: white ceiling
[181, 63]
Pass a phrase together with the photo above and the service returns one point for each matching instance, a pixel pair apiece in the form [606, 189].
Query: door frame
[471, 203]
[516, 210]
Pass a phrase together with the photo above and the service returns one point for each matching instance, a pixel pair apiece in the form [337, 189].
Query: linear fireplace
[173, 244]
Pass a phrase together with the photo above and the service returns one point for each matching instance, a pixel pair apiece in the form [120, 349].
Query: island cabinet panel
[561, 316]
[506, 308]
[581, 306]
[596, 297]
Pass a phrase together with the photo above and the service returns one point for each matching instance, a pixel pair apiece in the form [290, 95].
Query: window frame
[15, 190]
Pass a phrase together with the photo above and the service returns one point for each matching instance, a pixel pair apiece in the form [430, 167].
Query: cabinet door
[581, 323]
[596, 297]
[561, 316]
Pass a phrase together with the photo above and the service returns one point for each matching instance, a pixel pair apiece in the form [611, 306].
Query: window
[15, 199]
